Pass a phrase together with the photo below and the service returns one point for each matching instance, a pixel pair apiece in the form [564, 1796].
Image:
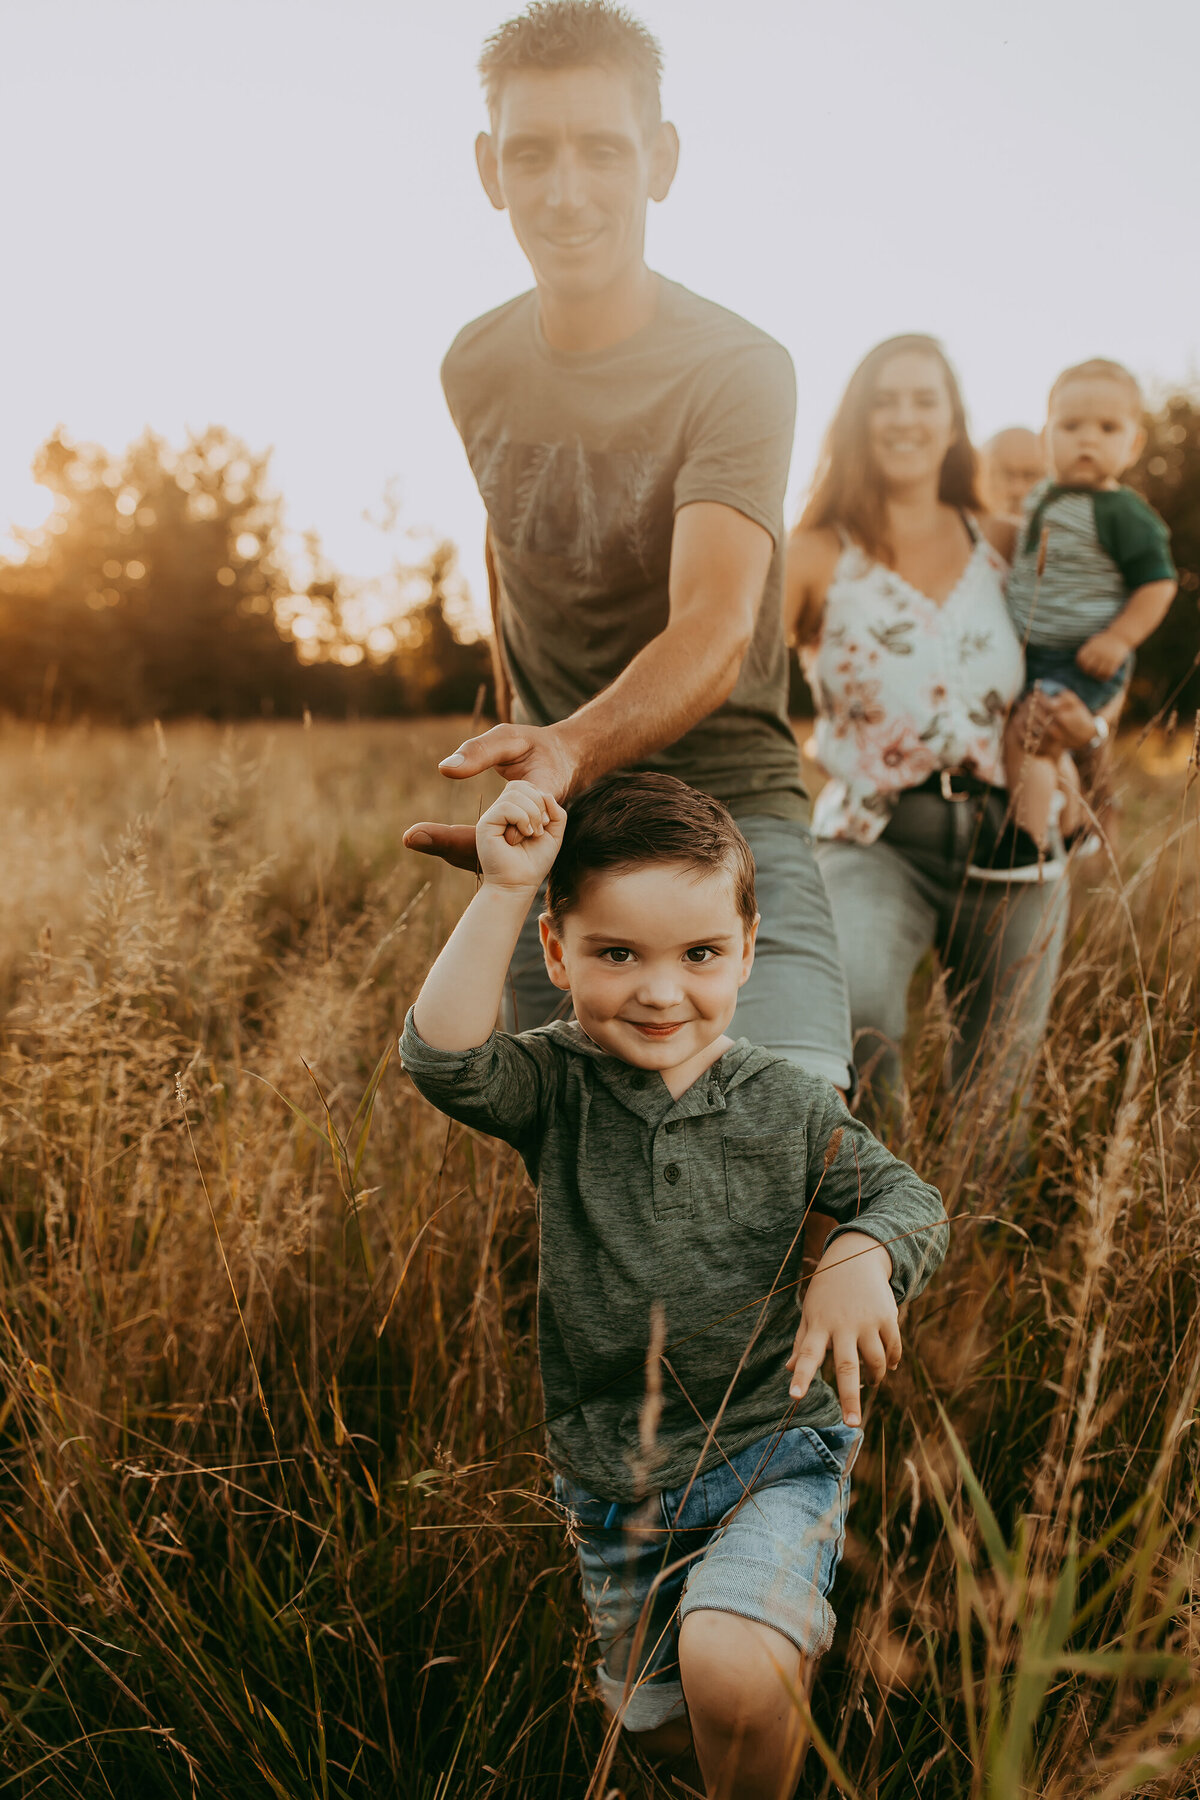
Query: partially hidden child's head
[1094, 428]
[650, 918]
[1010, 464]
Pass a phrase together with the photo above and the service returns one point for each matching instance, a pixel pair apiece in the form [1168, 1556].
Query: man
[631, 443]
[1010, 464]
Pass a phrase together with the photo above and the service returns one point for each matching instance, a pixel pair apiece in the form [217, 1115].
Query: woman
[895, 593]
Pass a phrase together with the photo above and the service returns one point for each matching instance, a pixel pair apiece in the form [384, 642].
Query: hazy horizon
[266, 216]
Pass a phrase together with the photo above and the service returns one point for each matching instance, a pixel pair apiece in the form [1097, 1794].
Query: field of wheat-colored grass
[274, 1508]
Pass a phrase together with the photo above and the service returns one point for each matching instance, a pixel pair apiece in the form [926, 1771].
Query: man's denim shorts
[759, 1534]
[1054, 670]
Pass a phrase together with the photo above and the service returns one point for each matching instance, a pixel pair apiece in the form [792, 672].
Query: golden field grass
[274, 1513]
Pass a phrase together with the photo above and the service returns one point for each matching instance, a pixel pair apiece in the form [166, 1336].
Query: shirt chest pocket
[765, 1179]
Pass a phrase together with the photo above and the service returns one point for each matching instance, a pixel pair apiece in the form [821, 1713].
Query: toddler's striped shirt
[1101, 545]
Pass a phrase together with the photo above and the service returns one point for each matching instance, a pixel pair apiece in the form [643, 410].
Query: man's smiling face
[573, 159]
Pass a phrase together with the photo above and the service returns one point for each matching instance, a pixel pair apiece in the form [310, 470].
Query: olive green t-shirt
[583, 460]
[695, 1205]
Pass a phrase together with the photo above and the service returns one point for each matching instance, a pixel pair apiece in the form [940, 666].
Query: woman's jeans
[999, 945]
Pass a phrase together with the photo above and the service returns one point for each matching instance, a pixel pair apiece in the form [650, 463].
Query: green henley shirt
[697, 1203]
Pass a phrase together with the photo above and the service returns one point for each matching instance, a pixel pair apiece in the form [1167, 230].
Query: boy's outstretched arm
[516, 841]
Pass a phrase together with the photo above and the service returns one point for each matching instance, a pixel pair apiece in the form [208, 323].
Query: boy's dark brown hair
[575, 34]
[626, 821]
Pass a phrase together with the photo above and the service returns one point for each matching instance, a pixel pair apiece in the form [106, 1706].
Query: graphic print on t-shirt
[602, 514]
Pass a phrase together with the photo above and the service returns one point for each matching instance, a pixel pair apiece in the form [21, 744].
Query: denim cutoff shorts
[760, 1534]
[1054, 670]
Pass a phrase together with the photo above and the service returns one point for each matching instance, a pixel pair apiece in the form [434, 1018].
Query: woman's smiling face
[911, 421]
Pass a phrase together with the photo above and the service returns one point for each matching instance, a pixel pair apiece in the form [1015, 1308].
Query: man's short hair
[626, 821]
[575, 34]
[1099, 368]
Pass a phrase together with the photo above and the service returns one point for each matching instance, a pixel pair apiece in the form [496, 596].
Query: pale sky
[265, 214]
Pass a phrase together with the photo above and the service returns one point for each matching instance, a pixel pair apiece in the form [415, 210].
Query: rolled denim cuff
[646, 1706]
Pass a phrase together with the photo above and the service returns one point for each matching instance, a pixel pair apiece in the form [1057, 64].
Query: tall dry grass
[273, 1501]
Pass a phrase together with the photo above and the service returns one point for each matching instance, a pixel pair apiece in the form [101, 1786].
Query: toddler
[1102, 582]
[705, 1492]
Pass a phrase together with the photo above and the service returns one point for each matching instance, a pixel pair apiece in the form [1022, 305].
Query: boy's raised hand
[850, 1308]
[518, 837]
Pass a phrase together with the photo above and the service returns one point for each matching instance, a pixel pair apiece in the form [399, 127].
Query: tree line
[158, 588]
[1167, 679]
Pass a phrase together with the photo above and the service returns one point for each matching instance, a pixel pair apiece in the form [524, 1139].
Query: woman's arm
[1063, 721]
[811, 560]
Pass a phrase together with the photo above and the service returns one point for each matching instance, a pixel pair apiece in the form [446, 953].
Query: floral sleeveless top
[905, 686]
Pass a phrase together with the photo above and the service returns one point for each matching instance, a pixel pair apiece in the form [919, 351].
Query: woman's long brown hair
[847, 491]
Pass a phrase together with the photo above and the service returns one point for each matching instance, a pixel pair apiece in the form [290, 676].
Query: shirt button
[637, 1081]
[671, 1173]
[674, 1125]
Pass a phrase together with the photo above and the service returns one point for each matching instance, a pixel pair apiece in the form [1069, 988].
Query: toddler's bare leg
[1035, 797]
[739, 1679]
[1032, 777]
[1096, 768]
[1073, 815]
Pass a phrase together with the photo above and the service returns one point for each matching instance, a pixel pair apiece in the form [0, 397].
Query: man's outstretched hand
[533, 753]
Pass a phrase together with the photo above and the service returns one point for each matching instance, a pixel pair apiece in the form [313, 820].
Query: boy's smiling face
[653, 959]
[1094, 432]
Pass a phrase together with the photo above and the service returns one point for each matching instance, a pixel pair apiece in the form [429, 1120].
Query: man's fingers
[502, 744]
[455, 844]
[845, 1367]
[892, 1345]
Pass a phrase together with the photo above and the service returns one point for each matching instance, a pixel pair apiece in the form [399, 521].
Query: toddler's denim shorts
[1054, 670]
[759, 1534]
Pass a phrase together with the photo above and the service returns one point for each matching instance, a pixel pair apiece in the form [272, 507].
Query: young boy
[674, 1170]
[1103, 582]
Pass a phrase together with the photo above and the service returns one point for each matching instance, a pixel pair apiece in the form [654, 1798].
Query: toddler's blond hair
[1099, 368]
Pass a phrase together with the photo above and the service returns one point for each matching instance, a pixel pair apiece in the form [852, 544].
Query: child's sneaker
[1015, 856]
